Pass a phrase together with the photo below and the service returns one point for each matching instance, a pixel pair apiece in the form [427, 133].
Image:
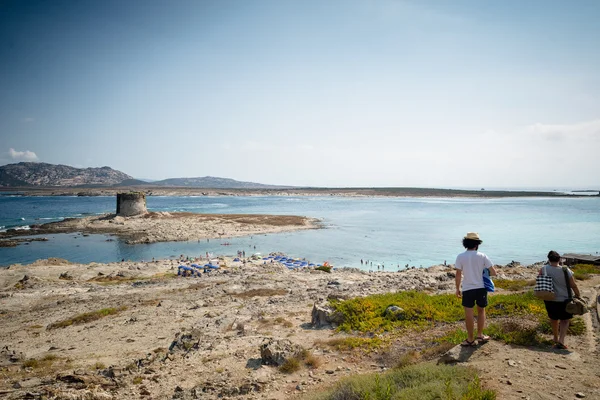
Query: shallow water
[387, 231]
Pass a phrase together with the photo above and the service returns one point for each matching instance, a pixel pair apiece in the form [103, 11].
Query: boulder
[277, 351]
[323, 315]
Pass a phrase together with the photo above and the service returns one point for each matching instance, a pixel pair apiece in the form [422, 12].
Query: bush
[514, 285]
[423, 381]
[586, 268]
[514, 333]
[367, 314]
[324, 268]
[302, 357]
[576, 327]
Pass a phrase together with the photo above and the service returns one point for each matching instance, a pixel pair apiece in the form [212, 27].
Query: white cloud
[22, 155]
[558, 132]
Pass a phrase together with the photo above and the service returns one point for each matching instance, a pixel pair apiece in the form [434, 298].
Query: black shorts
[556, 310]
[470, 297]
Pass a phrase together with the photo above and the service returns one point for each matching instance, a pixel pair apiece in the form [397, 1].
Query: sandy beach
[168, 336]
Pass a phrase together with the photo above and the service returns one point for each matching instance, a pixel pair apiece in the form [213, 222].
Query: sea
[392, 232]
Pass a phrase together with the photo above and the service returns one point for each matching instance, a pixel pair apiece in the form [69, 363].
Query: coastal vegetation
[584, 271]
[514, 285]
[419, 381]
[86, 317]
[515, 318]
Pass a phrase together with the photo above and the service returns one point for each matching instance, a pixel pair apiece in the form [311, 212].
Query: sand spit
[167, 227]
[150, 190]
[163, 336]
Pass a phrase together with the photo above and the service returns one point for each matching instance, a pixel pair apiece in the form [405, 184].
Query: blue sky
[320, 93]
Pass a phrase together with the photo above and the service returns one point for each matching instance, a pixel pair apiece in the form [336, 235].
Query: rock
[276, 351]
[457, 354]
[323, 315]
[579, 395]
[394, 312]
[330, 372]
[29, 383]
[512, 363]
[66, 276]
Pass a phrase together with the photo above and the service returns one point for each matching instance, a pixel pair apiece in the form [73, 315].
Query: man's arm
[457, 281]
[493, 271]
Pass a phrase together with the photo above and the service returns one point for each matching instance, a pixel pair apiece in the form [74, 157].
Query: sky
[381, 93]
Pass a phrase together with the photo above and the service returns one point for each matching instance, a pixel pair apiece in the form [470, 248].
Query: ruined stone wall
[129, 204]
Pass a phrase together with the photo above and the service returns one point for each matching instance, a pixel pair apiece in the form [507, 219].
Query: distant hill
[211, 182]
[44, 174]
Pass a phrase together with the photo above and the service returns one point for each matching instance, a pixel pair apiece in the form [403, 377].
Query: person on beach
[556, 309]
[469, 269]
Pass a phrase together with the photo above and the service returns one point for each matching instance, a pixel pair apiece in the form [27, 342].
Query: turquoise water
[388, 231]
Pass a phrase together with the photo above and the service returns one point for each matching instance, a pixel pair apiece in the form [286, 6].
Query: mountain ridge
[38, 174]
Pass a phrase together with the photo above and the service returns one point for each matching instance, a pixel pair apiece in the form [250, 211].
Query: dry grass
[351, 343]
[197, 286]
[86, 317]
[302, 358]
[261, 292]
[42, 367]
[409, 358]
[276, 321]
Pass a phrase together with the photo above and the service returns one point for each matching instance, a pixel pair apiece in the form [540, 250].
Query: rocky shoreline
[168, 336]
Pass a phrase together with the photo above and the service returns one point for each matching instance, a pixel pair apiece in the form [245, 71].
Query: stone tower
[130, 204]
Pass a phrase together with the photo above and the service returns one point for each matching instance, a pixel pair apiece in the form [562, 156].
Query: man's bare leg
[470, 323]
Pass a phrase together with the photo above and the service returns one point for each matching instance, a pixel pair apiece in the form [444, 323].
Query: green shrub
[424, 381]
[516, 334]
[351, 343]
[514, 285]
[581, 276]
[367, 314]
[586, 268]
[576, 327]
[324, 268]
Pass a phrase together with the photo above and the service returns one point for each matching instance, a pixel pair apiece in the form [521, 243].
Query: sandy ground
[166, 227]
[215, 325]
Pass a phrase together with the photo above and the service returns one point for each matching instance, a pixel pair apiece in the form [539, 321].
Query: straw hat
[473, 236]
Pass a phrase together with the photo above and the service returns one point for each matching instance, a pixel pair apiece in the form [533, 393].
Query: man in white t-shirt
[469, 268]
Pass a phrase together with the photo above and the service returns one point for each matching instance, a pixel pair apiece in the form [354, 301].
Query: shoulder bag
[575, 305]
[544, 288]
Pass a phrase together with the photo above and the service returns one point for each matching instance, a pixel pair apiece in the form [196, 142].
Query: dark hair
[471, 243]
[553, 256]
